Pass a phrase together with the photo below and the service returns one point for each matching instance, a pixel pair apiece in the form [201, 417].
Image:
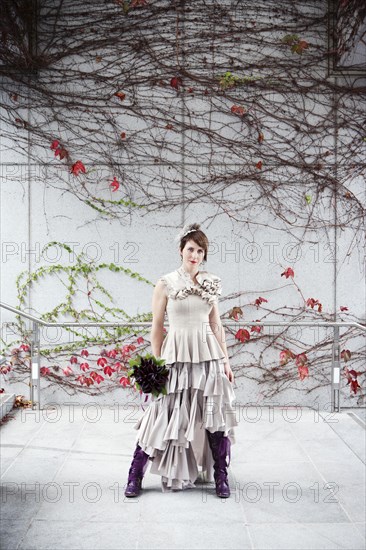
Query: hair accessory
[189, 228]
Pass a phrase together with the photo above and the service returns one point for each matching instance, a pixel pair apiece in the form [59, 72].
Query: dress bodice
[190, 337]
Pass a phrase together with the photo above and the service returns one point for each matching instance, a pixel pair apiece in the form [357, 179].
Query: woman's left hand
[229, 373]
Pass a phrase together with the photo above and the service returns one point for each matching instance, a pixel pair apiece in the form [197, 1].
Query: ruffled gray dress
[199, 396]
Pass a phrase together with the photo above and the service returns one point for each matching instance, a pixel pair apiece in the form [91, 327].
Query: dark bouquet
[149, 373]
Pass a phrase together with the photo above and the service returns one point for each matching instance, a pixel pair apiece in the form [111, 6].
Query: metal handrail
[35, 344]
[146, 324]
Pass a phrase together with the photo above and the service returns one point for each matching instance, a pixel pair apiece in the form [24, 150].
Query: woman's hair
[195, 234]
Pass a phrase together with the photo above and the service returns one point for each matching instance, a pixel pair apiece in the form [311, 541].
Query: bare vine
[130, 105]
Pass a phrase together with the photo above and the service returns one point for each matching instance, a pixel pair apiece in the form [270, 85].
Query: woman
[189, 430]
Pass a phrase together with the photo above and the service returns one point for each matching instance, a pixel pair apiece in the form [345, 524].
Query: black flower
[150, 374]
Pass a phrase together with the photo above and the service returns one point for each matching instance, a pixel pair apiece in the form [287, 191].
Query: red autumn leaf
[312, 303]
[285, 356]
[238, 110]
[288, 273]
[259, 301]
[256, 328]
[346, 355]
[112, 353]
[354, 385]
[119, 366]
[120, 95]
[241, 111]
[108, 370]
[236, 313]
[114, 184]
[81, 379]
[5, 369]
[190, 90]
[98, 379]
[61, 152]
[84, 366]
[344, 308]
[125, 351]
[73, 359]
[102, 361]
[89, 381]
[44, 371]
[78, 167]
[175, 82]
[303, 371]
[301, 359]
[242, 335]
[169, 127]
[84, 353]
[67, 371]
[140, 340]
[352, 379]
[260, 137]
[123, 135]
[124, 381]
[259, 165]
[55, 144]
[24, 347]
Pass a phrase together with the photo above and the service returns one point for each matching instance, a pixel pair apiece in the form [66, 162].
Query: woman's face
[192, 255]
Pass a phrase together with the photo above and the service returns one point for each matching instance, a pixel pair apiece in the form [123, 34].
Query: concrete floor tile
[293, 536]
[201, 535]
[290, 504]
[263, 451]
[34, 466]
[83, 535]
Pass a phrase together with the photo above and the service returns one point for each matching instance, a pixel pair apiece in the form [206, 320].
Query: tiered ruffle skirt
[172, 430]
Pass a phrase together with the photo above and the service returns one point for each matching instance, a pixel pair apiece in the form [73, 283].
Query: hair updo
[195, 234]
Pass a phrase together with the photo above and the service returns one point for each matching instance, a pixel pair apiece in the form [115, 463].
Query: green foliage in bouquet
[149, 373]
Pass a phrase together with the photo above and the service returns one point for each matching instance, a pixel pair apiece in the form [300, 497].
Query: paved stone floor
[297, 479]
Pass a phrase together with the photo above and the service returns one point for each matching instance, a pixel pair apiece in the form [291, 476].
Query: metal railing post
[35, 390]
[336, 371]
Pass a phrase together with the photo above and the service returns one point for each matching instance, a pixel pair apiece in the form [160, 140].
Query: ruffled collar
[208, 286]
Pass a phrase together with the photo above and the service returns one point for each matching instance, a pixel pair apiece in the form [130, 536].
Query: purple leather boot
[220, 447]
[136, 472]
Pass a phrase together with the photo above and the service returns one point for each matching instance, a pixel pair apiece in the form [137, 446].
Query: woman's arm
[219, 332]
[159, 301]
